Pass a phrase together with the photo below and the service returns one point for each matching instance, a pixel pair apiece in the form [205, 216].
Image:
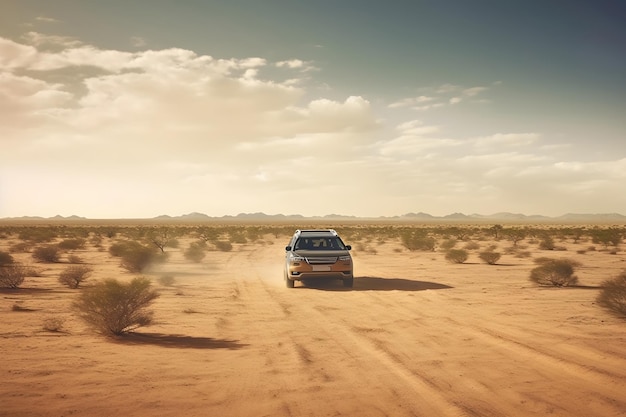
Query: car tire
[290, 283]
[348, 282]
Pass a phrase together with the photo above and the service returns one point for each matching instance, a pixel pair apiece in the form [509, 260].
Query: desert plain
[416, 336]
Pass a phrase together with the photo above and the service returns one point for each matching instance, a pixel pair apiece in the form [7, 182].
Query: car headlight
[345, 258]
[296, 258]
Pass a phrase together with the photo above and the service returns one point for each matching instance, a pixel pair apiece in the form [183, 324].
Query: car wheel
[348, 283]
[289, 283]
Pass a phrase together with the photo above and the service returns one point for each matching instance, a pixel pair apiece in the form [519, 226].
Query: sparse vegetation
[490, 257]
[5, 258]
[613, 295]
[223, 245]
[546, 243]
[72, 244]
[12, 276]
[74, 275]
[167, 280]
[195, 252]
[554, 272]
[115, 308]
[417, 239]
[47, 254]
[135, 256]
[53, 324]
[457, 256]
[471, 246]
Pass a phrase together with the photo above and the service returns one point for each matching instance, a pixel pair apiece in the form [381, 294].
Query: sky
[137, 109]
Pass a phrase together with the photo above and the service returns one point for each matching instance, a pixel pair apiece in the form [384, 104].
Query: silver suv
[317, 254]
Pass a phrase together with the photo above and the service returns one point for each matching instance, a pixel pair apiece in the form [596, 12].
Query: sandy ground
[417, 336]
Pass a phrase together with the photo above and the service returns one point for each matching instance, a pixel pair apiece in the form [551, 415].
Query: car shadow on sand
[374, 284]
[178, 341]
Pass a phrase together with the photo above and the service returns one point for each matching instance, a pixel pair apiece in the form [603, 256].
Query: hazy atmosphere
[136, 109]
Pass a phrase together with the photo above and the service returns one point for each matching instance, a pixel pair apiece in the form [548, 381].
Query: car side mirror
[287, 248]
[349, 247]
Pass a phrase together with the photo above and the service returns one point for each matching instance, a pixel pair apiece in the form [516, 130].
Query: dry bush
[5, 258]
[12, 276]
[546, 243]
[613, 295]
[448, 244]
[53, 324]
[20, 247]
[457, 256]
[417, 240]
[489, 257]
[74, 275]
[20, 307]
[135, 256]
[471, 246]
[223, 245]
[47, 253]
[74, 259]
[72, 244]
[195, 252]
[167, 280]
[554, 272]
[115, 308]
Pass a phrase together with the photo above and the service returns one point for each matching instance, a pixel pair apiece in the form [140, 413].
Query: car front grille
[321, 260]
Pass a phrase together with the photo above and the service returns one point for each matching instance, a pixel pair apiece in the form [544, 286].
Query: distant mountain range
[411, 217]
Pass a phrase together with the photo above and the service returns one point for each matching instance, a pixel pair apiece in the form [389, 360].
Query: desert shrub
[117, 249]
[115, 308]
[72, 244]
[12, 276]
[471, 246]
[53, 324]
[457, 256]
[613, 295]
[606, 237]
[47, 253]
[238, 237]
[194, 253]
[546, 243]
[135, 256]
[417, 240]
[74, 259]
[74, 275]
[37, 234]
[5, 258]
[448, 244]
[96, 241]
[223, 245]
[555, 272]
[167, 280]
[489, 257]
[20, 247]
[138, 259]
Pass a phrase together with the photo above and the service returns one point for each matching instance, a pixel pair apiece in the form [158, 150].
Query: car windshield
[319, 243]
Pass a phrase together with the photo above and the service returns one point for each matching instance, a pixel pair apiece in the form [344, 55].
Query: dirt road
[415, 337]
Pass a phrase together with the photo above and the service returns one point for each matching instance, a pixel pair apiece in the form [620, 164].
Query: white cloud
[198, 127]
[46, 19]
[15, 55]
[507, 139]
[41, 40]
[441, 96]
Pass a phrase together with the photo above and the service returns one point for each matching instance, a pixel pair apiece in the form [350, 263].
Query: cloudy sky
[113, 109]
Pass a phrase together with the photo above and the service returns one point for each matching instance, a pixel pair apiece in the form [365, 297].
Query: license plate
[321, 267]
